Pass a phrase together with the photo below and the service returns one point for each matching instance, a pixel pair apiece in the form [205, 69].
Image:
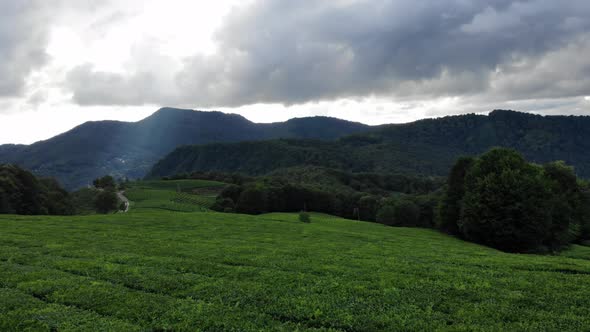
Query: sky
[64, 62]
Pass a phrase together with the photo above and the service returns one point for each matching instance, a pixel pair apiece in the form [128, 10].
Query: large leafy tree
[106, 201]
[252, 200]
[565, 204]
[505, 202]
[21, 192]
[105, 182]
[450, 207]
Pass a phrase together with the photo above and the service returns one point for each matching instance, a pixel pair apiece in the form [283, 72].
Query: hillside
[23, 193]
[424, 147]
[177, 271]
[125, 149]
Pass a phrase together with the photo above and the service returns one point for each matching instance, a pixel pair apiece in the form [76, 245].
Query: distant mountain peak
[97, 148]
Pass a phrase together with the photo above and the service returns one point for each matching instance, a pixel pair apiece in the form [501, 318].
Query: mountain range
[184, 141]
[427, 147]
[125, 149]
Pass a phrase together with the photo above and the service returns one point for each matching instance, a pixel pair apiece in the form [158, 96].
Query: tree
[368, 206]
[449, 210]
[401, 212]
[252, 201]
[106, 201]
[224, 205]
[583, 211]
[386, 215]
[5, 207]
[232, 192]
[57, 200]
[565, 223]
[505, 202]
[105, 182]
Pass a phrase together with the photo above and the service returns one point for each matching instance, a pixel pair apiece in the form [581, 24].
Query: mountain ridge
[428, 146]
[129, 149]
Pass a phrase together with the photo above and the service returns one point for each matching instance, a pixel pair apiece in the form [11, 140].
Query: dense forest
[427, 147]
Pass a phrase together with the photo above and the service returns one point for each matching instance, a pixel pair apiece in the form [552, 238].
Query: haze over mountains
[125, 149]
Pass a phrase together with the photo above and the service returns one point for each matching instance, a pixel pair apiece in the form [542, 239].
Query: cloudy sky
[63, 62]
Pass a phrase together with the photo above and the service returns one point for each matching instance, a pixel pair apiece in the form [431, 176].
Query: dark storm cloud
[293, 52]
[23, 40]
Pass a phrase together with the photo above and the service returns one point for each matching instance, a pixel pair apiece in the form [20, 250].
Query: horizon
[486, 113]
[289, 119]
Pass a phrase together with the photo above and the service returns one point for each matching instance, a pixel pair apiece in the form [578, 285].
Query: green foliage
[23, 193]
[304, 217]
[386, 215]
[156, 270]
[368, 206]
[83, 200]
[427, 147]
[252, 200]
[501, 207]
[450, 206]
[57, 199]
[106, 201]
[566, 201]
[402, 212]
[510, 204]
[105, 182]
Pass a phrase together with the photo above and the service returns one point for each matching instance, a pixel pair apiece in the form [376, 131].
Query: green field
[154, 269]
[178, 195]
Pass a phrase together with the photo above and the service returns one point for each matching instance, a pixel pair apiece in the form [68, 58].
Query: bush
[386, 215]
[106, 201]
[105, 182]
[223, 205]
[252, 201]
[304, 217]
[368, 207]
[232, 192]
[401, 212]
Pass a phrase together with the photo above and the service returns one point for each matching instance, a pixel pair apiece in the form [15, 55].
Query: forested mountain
[423, 147]
[125, 149]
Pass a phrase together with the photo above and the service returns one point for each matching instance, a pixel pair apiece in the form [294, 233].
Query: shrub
[400, 212]
[368, 206]
[386, 215]
[304, 217]
[105, 182]
[252, 201]
[106, 201]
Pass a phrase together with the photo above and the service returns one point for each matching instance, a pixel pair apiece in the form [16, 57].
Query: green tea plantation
[171, 265]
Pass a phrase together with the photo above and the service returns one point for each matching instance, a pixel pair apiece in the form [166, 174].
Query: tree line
[23, 193]
[496, 199]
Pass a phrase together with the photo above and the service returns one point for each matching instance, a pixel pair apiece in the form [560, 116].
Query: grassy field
[153, 270]
[177, 195]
